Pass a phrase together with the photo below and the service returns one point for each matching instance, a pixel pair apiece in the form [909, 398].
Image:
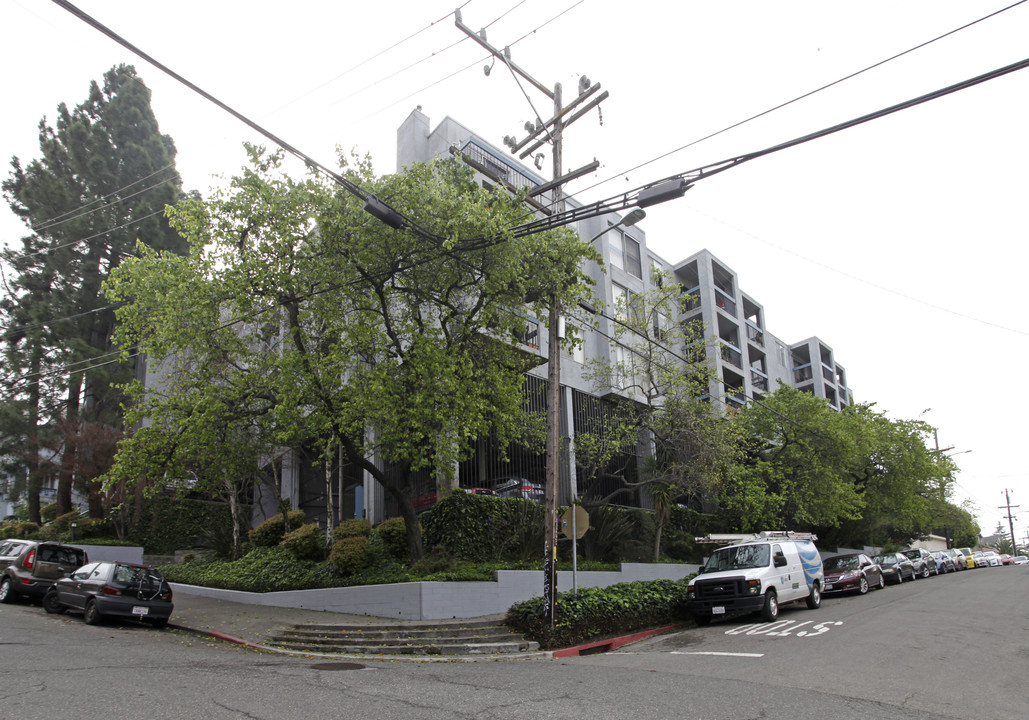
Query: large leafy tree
[688, 445]
[341, 332]
[103, 178]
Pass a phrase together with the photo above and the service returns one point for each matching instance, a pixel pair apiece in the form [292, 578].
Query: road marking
[720, 654]
[784, 628]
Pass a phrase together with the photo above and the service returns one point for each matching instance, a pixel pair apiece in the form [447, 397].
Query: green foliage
[307, 542]
[48, 512]
[482, 528]
[20, 530]
[393, 534]
[617, 534]
[264, 569]
[168, 524]
[601, 612]
[354, 527]
[351, 555]
[270, 532]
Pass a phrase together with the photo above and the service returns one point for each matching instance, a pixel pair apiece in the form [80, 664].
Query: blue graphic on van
[811, 561]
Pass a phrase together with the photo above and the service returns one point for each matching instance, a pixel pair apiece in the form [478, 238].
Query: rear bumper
[113, 606]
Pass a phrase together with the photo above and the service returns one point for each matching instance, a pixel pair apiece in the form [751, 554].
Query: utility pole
[539, 133]
[1011, 524]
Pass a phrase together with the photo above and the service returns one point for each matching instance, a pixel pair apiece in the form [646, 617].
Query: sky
[901, 243]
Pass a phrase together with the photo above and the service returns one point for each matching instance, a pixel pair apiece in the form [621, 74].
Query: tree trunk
[71, 436]
[330, 510]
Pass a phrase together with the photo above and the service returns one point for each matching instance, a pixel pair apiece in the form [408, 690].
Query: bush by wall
[480, 528]
[20, 530]
[393, 534]
[307, 542]
[270, 532]
[595, 613]
[263, 569]
[351, 555]
[169, 524]
[354, 527]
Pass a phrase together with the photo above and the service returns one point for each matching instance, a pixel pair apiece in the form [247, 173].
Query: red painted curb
[611, 644]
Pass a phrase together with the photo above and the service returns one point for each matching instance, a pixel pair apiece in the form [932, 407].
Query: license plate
[828, 586]
[718, 610]
[140, 610]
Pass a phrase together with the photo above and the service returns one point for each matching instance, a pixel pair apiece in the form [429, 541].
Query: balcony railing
[759, 380]
[691, 300]
[732, 356]
[828, 374]
[725, 302]
[802, 374]
[755, 335]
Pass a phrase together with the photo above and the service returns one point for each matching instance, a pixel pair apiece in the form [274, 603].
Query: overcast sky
[900, 243]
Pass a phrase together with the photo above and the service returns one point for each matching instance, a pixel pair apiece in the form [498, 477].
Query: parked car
[980, 559]
[1006, 559]
[896, 567]
[993, 558]
[757, 575]
[960, 561]
[944, 562]
[924, 562]
[852, 573]
[512, 486]
[1021, 560]
[113, 589]
[29, 567]
[969, 559]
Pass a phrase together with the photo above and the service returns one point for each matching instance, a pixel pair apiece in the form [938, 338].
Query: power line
[803, 96]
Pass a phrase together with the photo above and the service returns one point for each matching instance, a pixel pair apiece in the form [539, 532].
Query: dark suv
[924, 562]
[28, 567]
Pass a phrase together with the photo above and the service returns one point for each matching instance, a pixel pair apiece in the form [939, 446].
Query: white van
[758, 575]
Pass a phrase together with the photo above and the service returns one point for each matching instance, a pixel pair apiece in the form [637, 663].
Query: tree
[103, 179]
[689, 447]
[797, 467]
[394, 347]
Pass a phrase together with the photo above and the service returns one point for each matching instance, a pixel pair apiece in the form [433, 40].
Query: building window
[628, 305]
[625, 253]
[530, 336]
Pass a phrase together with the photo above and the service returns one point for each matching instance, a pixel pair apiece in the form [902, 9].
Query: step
[466, 634]
[522, 646]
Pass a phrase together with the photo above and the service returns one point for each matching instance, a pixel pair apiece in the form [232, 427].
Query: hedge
[480, 528]
[601, 612]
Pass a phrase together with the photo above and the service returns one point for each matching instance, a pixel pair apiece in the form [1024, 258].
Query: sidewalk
[251, 625]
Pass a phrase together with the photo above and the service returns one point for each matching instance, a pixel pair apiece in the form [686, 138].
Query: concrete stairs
[457, 638]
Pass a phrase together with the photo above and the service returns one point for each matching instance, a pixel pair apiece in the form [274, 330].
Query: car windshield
[738, 558]
[913, 554]
[886, 560]
[843, 562]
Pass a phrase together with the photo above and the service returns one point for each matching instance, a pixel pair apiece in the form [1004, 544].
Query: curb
[601, 646]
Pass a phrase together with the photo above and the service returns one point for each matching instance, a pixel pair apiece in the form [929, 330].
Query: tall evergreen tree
[103, 179]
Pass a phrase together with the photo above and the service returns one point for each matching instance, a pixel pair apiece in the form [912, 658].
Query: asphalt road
[949, 647]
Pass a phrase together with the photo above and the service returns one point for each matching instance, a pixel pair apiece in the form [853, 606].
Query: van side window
[778, 557]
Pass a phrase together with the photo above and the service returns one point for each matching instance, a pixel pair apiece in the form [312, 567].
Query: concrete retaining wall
[440, 600]
[113, 553]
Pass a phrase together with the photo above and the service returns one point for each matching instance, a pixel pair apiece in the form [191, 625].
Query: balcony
[725, 302]
[828, 374]
[802, 374]
[759, 380]
[732, 356]
[755, 335]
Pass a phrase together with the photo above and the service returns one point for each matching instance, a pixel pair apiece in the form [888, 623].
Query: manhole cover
[337, 666]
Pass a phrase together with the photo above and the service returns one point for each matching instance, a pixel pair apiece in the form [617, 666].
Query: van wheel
[702, 620]
[770, 612]
[863, 586]
[815, 598]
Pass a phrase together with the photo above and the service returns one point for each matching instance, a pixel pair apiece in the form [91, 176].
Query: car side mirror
[700, 570]
[780, 561]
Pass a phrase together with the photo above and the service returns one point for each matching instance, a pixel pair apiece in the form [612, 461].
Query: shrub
[601, 612]
[393, 534]
[48, 513]
[264, 569]
[481, 528]
[307, 542]
[351, 555]
[353, 527]
[60, 528]
[270, 532]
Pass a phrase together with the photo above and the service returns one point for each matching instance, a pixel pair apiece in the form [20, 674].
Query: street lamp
[633, 217]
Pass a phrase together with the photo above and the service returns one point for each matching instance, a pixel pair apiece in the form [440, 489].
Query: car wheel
[6, 590]
[815, 598]
[91, 614]
[925, 572]
[51, 604]
[900, 576]
[882, 581]
[863, 585]
[770, 611]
